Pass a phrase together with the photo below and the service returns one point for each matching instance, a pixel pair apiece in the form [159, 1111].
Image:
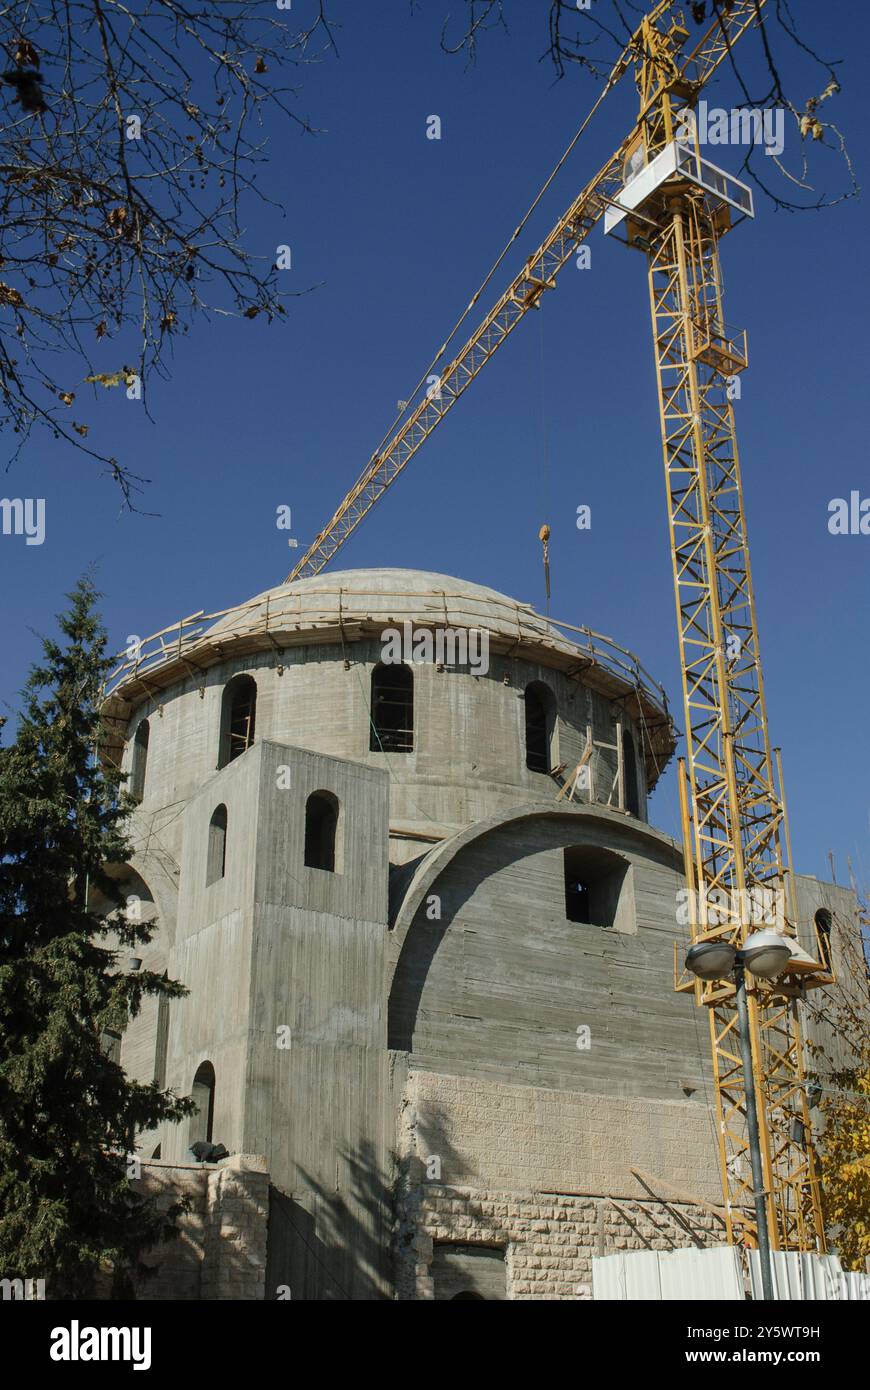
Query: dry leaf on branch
[9, 295]
[123, 377]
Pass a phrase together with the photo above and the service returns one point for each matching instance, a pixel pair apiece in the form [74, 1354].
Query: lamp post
[764, 954]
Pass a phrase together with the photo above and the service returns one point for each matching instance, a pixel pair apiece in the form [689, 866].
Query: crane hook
[544, 538]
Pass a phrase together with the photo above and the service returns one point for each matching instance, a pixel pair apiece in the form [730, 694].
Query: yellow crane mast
[732, 807]
[666, 200]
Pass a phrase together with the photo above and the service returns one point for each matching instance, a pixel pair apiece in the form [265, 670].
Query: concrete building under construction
[428, 933]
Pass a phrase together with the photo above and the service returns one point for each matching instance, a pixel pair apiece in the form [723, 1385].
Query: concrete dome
[345, 609]
[384, 597]
[346, 604]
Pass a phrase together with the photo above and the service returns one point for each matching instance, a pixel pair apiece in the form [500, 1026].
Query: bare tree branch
[593, 38]
[134, 134]
[483, 14]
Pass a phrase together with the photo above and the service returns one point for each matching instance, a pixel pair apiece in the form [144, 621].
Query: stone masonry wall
[220, 1250]
[546, 1176]
[548, 1239]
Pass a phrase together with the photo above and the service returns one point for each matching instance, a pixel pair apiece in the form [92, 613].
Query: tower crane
[673, 205]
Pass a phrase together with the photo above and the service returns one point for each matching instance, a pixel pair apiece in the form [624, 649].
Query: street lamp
[764, 954]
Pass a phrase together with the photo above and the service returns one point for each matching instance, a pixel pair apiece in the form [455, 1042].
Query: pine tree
[68, 1113]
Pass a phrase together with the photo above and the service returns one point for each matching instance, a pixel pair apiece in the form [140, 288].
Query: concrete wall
[500, 984]
[547, 1060]
[492, 1134]
[317, 1084]
[212, 954]
[285, 967]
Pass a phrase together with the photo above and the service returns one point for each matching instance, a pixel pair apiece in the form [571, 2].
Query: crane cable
[544, 533]
[611, 81]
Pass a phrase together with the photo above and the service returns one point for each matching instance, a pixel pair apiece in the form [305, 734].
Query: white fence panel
[717, 1275]
[669, 1275]
[857, 1286]
[633, 1277]
[702, 1274]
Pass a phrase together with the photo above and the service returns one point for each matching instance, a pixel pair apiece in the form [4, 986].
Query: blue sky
[395, 232]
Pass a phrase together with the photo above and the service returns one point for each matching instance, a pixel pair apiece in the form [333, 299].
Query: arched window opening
[540, 725]
[467, 1295]
[824, 922]
[629, 776]
[139, 761]
[157, 1151]
[202, 1095]
[595, 880]
[321, 821]
[392, 713]
[217, 845]
[238, 718]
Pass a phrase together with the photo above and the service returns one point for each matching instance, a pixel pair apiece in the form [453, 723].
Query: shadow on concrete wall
[329, 1245]
[420, 946]
[455, 886]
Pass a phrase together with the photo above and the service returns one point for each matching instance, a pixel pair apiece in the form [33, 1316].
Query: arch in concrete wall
[322, 812]
[415, 883]
[238, 717]
[143, 1043]
[163, 891]
[202, 1090]
[141, 903]
[539, 727]
[391, 708]
[632, 788]
[139, 760]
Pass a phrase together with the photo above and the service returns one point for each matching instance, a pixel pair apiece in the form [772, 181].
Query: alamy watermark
[29, 1290]
[741, 125]
[24, 516]
[446, 646]
[77, 1343]
[757, 906]
[849, 516]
